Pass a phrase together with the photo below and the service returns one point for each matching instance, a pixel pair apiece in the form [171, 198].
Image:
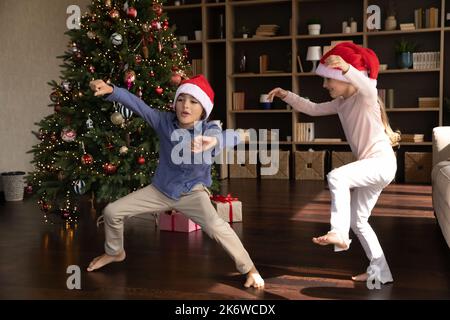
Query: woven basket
[418, 167]
[245, 170]
[309, 165]
[339, 159]
[13, 185]
[283, 166]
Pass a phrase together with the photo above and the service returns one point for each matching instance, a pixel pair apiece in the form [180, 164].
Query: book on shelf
[426, 60]
[197, 66]
[407, 26]
[429, 102]
[263, 63]
[305, 131]
[266, 30]
[328, 140]
[426, 18]
[415, 137]
[238, 100]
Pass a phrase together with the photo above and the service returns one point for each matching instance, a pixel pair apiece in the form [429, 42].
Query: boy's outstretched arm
[129, 100]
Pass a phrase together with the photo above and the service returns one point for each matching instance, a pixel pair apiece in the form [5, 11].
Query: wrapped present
[176, 221]
[228, 208]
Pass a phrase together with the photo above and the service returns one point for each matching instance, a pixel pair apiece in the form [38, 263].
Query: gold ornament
[123, 150]
[117, 118]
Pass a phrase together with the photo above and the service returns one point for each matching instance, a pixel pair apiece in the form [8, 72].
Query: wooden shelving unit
[221, 62]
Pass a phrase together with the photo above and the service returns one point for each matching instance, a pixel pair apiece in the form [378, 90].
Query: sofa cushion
[442, 210]
[441, 179]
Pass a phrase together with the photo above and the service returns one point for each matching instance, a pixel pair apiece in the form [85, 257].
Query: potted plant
[313, 26]
[391, 22]
[404, 50]
[245, 32]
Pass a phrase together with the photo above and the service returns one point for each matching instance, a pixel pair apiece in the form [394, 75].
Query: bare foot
[331, 238]
[254, 279]
[105, 259]
[361, 277]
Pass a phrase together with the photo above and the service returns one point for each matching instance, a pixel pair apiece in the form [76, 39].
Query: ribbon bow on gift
[226, 199]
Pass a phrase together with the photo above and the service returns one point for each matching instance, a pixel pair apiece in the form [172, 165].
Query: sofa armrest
[441, 144]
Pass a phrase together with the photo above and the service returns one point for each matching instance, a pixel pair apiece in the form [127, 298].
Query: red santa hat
[200, 89]
[362, 59]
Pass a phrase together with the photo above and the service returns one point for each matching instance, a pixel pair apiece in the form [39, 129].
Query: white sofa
[440, 178]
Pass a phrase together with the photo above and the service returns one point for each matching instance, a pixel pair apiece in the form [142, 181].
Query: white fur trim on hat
[332, 73]
[197, 93]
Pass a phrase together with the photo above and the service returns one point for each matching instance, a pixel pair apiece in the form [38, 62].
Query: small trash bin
[13, 185]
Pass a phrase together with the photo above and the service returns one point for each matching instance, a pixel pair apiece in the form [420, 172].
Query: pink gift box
[176, 222]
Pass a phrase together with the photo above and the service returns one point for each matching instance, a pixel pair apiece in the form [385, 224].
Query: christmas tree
[91, 146]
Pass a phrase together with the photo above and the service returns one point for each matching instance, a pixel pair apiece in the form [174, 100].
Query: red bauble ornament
[151, 73]
[29, 189]
[175, 79]
[165, 25]
[109, 168]
[65, 213]
[87, 159]
[138, 59]
[109, 146]
[114, 14]
[157, 8]
[159, 90]
[132, 12]
[141, 160]
[45, 206]
[91, 69]
[155, 24]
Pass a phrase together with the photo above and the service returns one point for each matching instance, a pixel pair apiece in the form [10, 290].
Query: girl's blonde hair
[394, 136]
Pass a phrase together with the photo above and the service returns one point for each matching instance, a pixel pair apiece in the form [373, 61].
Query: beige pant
[196, 205]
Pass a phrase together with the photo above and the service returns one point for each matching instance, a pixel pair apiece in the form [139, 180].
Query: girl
[180, 187]
[350, 74]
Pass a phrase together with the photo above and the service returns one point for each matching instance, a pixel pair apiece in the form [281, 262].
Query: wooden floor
[280, 217]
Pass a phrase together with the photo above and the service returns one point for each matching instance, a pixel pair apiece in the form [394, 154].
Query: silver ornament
[79, 186]
[116, 39]
[126, 113]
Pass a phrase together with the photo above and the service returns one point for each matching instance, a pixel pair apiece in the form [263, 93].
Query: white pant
[367, 178]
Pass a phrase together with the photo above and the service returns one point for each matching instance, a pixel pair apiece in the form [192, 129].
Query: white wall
[32, 35]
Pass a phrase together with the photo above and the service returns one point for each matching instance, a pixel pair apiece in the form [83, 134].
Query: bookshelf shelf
[216, 41]
[426, 143]
[394, 32]
[277, 38]
[313, 143]
[183, 7]
[256, 2]
[219, 57]
[215, 5]
[390, 71]
[330, 35]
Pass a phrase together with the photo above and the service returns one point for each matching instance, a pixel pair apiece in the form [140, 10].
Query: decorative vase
[390, 23]
[404, 60]
[314, 29]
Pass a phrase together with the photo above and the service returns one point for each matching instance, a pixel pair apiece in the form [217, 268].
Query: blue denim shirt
[170, 178]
